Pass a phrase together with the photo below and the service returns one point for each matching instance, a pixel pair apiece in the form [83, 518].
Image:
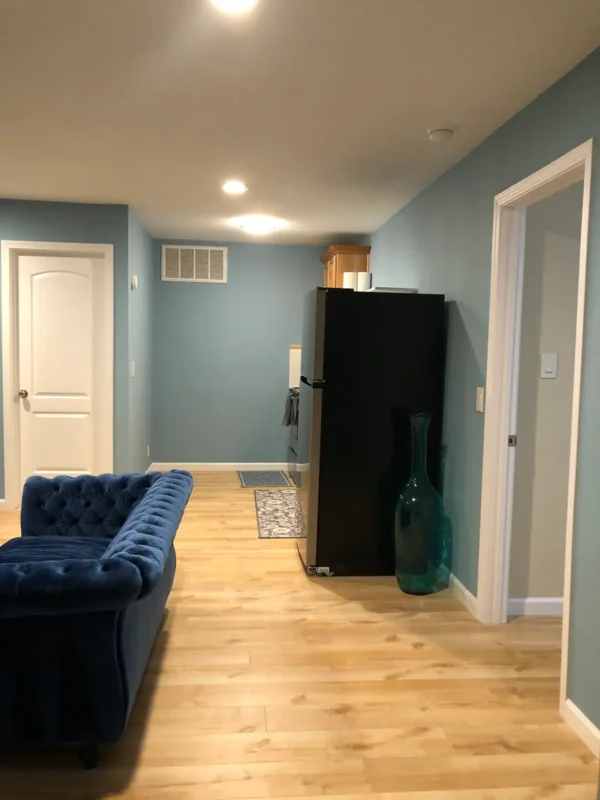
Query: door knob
[23, 393]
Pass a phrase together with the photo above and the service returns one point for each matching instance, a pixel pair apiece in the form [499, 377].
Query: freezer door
[309, 426]
[313, 335]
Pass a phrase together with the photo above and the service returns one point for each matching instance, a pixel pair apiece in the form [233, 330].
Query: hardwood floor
[265, 684]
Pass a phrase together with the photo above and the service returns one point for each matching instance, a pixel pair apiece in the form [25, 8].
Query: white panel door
[63, 363]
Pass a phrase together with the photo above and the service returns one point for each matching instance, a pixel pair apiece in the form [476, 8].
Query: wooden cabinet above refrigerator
[340, 258]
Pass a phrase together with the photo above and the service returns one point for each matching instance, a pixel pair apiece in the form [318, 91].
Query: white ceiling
[321, 106]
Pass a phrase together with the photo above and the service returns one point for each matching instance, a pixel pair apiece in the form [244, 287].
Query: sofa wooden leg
[88, 756]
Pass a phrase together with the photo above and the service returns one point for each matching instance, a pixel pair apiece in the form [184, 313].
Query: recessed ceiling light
[258, 225]
[235, 6]
[235, 187]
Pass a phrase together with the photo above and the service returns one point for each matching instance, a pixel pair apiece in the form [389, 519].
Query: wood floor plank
[264, 683]
[367, 716]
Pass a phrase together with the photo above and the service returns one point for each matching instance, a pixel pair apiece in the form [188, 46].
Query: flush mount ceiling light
[440, 134]
[234, 6]
[258, 225]
[235, 187]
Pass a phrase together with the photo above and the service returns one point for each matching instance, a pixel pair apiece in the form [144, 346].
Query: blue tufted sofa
[82, 594]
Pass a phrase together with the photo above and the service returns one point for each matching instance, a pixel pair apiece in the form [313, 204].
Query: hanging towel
[290, 415]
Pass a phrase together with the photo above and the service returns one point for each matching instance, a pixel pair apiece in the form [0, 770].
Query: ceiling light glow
[258, 225]
[235, 6]
[235, 187]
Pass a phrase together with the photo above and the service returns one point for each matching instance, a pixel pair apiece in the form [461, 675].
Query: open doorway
[507, 317]
[545, 404]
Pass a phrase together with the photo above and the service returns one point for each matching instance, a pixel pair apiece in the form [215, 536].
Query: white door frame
[11, 251]
[508, 255]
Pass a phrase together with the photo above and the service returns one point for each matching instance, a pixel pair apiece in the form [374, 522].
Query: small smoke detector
[440, 134]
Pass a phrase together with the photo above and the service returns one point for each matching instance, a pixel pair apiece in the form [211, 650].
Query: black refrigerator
[369, 359]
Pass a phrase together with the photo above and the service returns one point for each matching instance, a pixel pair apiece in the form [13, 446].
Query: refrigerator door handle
[313, 384]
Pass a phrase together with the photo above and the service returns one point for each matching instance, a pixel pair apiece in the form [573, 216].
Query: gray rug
[256, 480]
[279, 515]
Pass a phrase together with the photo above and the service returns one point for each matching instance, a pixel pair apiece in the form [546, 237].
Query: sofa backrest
[83, 506]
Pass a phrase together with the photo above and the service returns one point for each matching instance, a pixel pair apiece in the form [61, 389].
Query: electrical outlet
[480, 403]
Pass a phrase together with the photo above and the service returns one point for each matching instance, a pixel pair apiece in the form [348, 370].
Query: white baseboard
[217, 467]
[583, 727]
[468, 600]
[535, 607]
[4, 506]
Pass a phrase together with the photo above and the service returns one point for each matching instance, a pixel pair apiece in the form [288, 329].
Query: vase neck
[419, 424]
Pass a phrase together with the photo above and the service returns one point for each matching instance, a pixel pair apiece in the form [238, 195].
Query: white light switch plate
[134, 282]
[133, 369]
[480, 403]
[549, 366]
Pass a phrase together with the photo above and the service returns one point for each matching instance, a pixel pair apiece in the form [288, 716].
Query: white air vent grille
[194, 264]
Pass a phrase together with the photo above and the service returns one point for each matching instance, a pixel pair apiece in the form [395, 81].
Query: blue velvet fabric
[139, 624]
[79, 614]
[129, 568]
[146, 538]
[52, 548]
[66, 587]
[61, 680]
[83, 506]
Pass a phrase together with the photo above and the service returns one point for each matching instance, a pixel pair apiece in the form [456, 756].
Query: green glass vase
[423, 547]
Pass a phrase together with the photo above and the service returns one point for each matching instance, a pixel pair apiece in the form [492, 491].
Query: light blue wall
[441, 242]
[23, 220]
[141, 251]
[222, 356]
[222, 349]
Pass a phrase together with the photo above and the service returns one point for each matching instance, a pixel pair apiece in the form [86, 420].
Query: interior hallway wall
[550, 286]
[221, 355]
[441, 242]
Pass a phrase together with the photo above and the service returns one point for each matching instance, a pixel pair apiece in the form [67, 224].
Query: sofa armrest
[146, 539]
[67, 587]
